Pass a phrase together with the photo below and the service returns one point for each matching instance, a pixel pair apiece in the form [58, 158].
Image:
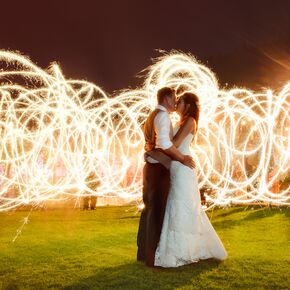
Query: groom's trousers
[156, 184]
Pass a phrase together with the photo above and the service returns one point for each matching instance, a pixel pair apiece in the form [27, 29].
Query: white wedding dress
[187, 235]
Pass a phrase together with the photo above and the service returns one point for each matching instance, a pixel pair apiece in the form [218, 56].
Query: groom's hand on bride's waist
[188, 161]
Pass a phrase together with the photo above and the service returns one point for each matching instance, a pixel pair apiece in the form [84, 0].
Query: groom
[159, 151]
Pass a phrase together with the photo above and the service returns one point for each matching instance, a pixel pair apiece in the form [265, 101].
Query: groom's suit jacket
[158, 134]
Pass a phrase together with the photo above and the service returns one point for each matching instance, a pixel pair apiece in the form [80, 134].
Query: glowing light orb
[55, 133]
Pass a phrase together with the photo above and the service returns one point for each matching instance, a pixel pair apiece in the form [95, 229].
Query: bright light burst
[56, 132]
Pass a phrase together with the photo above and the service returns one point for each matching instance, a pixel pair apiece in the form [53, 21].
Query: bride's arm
[188, 127]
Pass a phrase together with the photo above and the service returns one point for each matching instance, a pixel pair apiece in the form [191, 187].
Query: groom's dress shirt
[163, 130]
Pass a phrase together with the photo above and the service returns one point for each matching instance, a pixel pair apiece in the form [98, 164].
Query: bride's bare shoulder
[190, 124]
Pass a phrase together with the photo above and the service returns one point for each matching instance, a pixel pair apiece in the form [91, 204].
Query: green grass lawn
[73, 249]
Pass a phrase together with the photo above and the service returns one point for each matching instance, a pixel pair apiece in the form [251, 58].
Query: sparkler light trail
[56, 132]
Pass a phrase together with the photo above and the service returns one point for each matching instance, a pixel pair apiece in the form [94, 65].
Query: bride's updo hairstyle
[193, 108]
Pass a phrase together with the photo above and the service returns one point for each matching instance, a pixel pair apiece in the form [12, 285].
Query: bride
[187, 235]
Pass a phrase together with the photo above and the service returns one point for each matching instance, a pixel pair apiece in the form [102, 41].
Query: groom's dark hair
[163, 93]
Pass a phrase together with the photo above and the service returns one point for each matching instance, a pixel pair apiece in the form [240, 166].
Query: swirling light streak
[55, 132]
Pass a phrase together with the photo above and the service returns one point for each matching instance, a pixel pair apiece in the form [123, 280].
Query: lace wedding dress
[187, 235]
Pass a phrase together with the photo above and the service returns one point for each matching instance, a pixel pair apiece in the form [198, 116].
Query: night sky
[247, 43]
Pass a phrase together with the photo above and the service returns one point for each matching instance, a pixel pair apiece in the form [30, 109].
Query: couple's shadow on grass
[137, 276]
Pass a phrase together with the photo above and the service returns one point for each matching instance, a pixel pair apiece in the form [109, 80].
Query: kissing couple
[174, 229]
